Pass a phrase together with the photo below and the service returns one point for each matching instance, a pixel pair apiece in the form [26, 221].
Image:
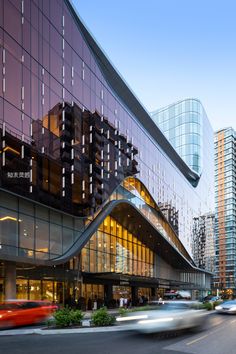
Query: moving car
[172, 316]
[15, 313]
[227, 307]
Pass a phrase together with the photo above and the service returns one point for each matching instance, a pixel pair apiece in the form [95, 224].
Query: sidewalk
[22, 331]
[86, 329]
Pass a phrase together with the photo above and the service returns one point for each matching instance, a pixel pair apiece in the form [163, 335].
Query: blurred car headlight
[156, 320]
[130, 318]
[218, 307]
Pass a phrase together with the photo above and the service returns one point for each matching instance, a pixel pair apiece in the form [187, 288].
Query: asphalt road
[218, 338]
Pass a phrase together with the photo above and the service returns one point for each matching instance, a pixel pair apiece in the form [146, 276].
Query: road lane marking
[183, 343]
[210, 333]
[197, 339]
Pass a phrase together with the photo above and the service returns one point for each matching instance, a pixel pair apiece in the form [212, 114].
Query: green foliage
[146, 308]
[208, 306]
[211, 305]
[123, 312]
[76, 317]
[63, 317]
[67, 317]
[50, 322]
[101, 317]
[198, 306]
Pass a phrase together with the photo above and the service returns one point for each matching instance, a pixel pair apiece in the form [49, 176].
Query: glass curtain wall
[38, 290]
[181, 123]
[114, 249]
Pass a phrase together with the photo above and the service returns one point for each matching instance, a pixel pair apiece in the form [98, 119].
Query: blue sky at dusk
[168, 50]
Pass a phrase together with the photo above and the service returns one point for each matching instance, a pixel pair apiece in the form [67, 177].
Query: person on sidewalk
[121, 302]
[95, 303]
[140, 300]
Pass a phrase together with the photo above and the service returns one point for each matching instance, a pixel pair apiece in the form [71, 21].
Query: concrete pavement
[41, 331]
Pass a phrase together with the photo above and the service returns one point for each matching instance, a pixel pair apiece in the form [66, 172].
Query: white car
[172, 316]
[227, 307]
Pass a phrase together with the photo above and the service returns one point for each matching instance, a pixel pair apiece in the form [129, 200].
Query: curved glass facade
[182, 123]
[74, 141]
[36, 232]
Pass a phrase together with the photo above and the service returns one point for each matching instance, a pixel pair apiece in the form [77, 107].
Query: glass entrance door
[121, 291]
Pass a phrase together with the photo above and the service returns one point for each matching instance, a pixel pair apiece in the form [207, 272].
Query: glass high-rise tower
[225, 222]
[184, 124]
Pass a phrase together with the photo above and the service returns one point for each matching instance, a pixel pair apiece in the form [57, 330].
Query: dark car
[212, 299]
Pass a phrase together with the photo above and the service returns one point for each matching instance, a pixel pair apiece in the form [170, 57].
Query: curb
[43, 332]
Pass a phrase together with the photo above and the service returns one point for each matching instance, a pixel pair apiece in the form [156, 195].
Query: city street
[218, 338]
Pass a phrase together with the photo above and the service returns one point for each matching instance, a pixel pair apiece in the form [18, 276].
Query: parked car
[16, 313]
[211, 298]
[227, 307]
[172, 316]
[177, 295]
